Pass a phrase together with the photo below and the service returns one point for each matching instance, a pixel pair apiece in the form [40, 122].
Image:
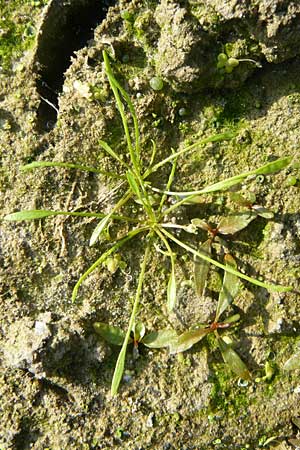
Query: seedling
[227, 64]
[151, 220]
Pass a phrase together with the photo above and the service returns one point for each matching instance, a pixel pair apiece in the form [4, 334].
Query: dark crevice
[67, 27]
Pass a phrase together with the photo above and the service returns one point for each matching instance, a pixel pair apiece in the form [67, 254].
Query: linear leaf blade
[229, 289]
[273, 166]
[30, 215]
[171, 291]
[99, 229]
[201, 267]
[187, 339]
[232, 359]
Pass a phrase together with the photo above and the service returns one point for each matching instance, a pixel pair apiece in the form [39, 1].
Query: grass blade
[119, 369]
[112, 335]
[229, 289]
[112, 153]
[187, 339]
[201, 268]
[171, 291]
[159, 339]
[104, 222]
[41, 213]
[229, 182]
[273, 166]
[99, 229]
[270, 287]
[232, 359]
[32, 214]
[42, 164]
[215, 138]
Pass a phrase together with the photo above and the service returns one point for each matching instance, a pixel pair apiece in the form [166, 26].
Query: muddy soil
[55, 105]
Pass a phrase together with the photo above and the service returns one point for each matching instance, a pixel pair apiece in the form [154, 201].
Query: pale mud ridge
[55, 376]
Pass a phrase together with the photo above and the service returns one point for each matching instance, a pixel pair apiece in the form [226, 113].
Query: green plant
[295, 442]
[151, 220]
[227, 64]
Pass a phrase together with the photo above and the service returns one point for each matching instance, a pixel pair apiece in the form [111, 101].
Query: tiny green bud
[291, 180]
[232, 62]
[222, 59]
[156, 83]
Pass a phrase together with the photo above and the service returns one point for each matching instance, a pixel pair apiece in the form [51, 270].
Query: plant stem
[270, 287]
[119, 369]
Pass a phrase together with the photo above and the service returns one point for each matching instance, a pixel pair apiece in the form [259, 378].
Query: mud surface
[56, 373]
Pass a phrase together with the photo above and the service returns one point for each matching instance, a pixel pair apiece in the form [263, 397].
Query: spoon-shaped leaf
[30, 215]
[235, 222]
[263, 212]
[112, 335]
[229, 289]
[201, 268]
[199, 223]
[159, 339]
[273, 166]
[232, 359]
[187, 339]
[293, 362]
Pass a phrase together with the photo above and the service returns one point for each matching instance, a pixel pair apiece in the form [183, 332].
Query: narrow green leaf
[111, 334]
[119, 369]
[229, 289]
[42, 164]
[187, 339]
[201, 267]
[273, 166]
[112, 153]
[30, 215]
[270, 287]
[232, 319]
[159, 339]
[232, 359]
[134, 185]
[293, 362]
[229, 182]
[235, 222]
[99, 229]
[171, 291]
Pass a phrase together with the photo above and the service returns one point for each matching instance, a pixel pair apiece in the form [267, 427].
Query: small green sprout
[227, 64]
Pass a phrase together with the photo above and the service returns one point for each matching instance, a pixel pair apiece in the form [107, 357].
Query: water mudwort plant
[151, 222]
